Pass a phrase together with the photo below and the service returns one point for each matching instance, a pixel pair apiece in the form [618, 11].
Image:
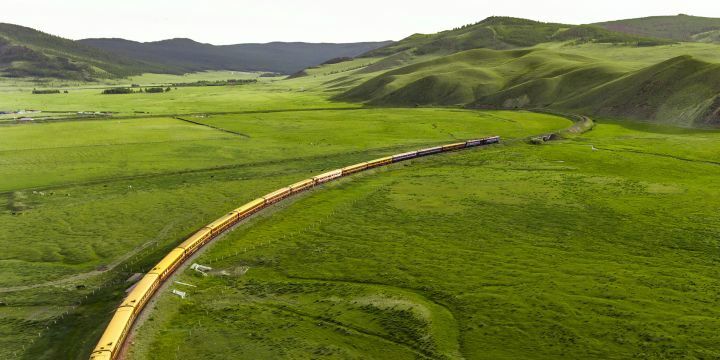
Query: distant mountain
[680, 27]
[502, 33]
[25, 52]
[190, 55]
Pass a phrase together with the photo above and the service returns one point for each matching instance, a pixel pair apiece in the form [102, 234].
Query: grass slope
[464, 77]
[681, 90]
[680, 27]
[25, 52]
[80, 197]
[542, 252]
[506, 33]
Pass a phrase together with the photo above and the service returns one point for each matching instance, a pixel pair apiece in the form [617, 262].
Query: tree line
[125, 90]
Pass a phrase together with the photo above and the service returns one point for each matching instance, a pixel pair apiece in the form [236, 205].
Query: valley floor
[603, 246]
[600, 246]
[90, 203]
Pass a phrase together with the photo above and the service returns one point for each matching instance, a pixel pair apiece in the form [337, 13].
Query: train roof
[301, 183]
[355, 166]
[277, 192]
[250, 205]
[194, 237]
[103, 355]
[406, 153]
[114, 331]
[141, 288]
[329, 173]
[385, 158]
[167, 261]
[222, 219]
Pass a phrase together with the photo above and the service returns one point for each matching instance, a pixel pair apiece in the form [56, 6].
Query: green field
[118, 193]
[559, 250]
[600, 246]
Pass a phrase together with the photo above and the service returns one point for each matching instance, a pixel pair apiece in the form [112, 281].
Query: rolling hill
[25, 52]
[468, 76]
[190, 55]
[516, 63]
[681, 91]
[502, 33]
[680, 27]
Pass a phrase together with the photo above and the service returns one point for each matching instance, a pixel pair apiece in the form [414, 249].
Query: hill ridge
[681, 91]
[28, 52]
[189, 55]
[679, 27]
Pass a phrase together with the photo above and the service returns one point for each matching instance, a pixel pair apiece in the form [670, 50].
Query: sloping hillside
[190, 55]
[682, 91]
[28, 52]
[501, 33]
[25, 52]
[464, 77]
[680, 27]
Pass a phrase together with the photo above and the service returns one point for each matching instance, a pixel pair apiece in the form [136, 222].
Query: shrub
[35, 91]
[114, 91]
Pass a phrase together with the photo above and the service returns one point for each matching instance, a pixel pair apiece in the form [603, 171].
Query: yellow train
[110, 344]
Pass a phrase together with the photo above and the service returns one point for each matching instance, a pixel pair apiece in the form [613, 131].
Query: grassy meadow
[120, 192]
[602, 246]
[516, 251]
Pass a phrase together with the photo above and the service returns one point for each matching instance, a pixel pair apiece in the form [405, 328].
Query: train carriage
[404, 156]
[169, 263]
[141, 292]
[483, 141]
[327, 176]
[250, 208]
[223, 223]
[277, 195]
[354, 168]
[428, 151]
[379, 162]
[196, 240]
[301, 185]
[114, 335]
[103, 355]
[455, 146]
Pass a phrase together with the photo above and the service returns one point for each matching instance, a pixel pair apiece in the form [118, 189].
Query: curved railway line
[113, 339]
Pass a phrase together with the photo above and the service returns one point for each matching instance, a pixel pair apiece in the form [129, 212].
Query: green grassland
[649, 84]
[680, 27]
[181, 101]
[636, 58]
[521, 64]
[19, 85]
[189, 78]
[31, 53]
[512, 251]
[517, 251]
[498, 32]
[94, 201]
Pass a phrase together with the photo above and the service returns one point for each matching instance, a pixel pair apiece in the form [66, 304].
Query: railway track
[112, 342]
